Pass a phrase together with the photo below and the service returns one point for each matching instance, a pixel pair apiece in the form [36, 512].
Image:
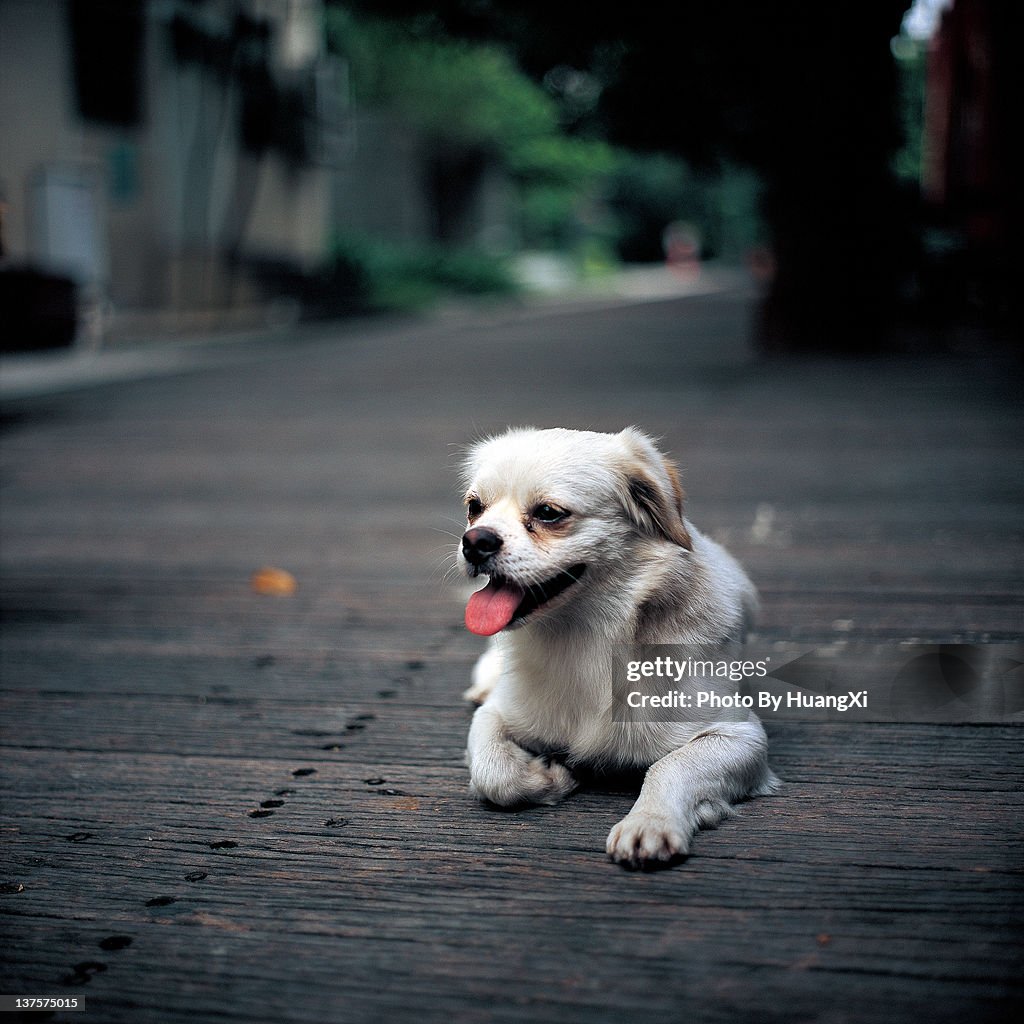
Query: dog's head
[554, 513]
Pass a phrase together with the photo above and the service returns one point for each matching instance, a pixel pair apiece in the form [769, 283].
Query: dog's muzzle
[479, 544]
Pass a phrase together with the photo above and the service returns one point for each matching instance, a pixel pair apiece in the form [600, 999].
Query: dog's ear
[651, 492]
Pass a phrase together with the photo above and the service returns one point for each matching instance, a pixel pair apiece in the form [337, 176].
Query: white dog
[583, 538]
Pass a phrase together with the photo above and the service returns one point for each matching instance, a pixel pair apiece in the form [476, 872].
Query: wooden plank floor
[224, 806]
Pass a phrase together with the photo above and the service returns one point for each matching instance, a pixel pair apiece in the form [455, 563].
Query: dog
[585, 544]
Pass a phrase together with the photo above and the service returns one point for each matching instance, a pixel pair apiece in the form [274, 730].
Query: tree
[470, 104]
[803, 93]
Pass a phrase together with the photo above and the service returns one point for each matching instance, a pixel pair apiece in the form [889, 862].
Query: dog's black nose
[479, 543]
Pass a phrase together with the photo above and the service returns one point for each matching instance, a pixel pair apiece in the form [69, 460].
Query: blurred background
[188, 165]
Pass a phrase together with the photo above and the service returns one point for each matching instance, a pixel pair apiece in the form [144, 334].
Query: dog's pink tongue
[490, 610]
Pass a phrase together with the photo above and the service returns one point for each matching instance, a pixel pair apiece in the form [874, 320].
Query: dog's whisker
[446, 561]
[443, 551]
[443, 567]
[441, 562]
[447, 533]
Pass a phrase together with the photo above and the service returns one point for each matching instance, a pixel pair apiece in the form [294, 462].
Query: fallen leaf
[272, 581]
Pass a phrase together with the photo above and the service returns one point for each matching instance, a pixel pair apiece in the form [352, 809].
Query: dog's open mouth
[503, 602]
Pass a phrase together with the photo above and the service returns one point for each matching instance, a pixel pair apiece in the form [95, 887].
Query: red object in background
[682, 249]
[963, 175]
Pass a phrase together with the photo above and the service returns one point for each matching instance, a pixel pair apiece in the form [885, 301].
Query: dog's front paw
[550, 781]
[518, 777]
[642, 839]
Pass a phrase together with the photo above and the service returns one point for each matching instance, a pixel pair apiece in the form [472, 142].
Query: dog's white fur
[544, 683]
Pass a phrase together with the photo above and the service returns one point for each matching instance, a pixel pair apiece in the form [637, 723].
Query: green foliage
[738, 227]
[548, 217]
[452, 91]
[559, 161]
[468, 97]
[574, 195]
[911, 63]
[647, 192]
[558, 178]
[392, 276]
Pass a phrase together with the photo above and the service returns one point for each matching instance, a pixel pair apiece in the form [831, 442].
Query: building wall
[378, 188]
[37, 124]
[175, 204]
[170, 209]
[381, 188]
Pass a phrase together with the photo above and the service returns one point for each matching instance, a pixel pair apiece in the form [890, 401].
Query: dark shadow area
[856, 259]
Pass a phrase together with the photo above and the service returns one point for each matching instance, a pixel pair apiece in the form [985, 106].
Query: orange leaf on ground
[276, 582]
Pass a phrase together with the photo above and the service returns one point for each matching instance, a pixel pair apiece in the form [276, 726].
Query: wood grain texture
[225, 806]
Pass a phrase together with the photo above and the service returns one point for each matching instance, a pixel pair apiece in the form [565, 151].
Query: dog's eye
[474, 508]
[549, 514]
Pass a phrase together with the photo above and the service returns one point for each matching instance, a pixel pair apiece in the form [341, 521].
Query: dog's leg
[504, 773]
[486, 673]
[690, 789]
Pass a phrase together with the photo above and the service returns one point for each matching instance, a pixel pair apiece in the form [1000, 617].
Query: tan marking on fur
[653, 504]
[680, 495]
[544, 534]
[677, 488]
